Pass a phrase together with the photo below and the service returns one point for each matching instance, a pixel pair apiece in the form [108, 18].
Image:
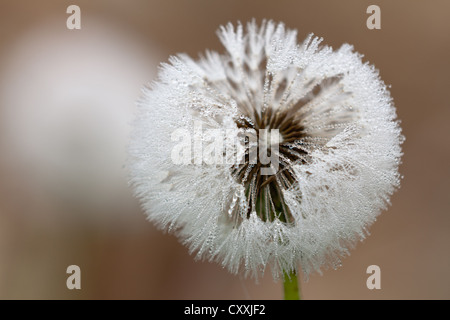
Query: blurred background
[66, 101]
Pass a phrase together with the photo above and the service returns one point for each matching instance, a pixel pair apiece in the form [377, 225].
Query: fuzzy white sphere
[338, 150]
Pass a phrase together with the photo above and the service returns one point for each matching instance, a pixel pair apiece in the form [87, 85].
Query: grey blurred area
[67, 99]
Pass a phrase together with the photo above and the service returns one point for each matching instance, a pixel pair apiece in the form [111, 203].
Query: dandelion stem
[291, 287]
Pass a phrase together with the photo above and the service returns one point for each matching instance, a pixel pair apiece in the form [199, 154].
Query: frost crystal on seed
[324, 119]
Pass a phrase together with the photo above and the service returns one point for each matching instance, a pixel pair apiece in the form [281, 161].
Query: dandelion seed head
[338, 148]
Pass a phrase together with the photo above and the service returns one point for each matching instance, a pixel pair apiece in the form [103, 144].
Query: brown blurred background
[66, 100]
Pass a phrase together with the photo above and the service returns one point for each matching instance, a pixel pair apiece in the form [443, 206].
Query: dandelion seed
[338, 151]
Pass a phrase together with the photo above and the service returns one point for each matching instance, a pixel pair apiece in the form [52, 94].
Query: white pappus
[339, 149]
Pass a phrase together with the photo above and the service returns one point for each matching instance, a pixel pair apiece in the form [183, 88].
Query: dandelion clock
[274, 155]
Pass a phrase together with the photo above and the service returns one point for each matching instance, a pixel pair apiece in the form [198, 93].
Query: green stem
[291, 288]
